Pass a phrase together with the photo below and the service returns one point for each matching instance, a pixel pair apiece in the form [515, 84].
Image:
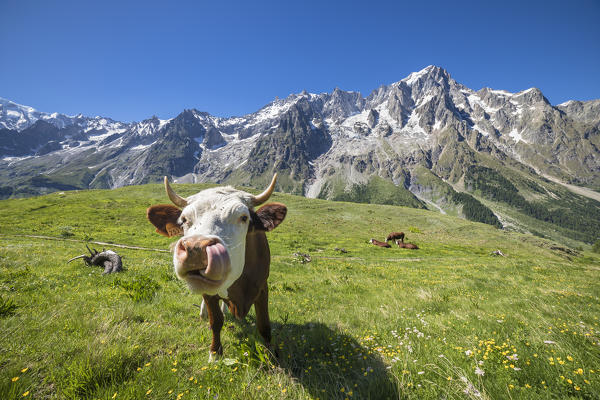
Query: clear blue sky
[129, 60]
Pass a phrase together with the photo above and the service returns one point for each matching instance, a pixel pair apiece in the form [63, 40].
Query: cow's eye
[183, 220]
[244, 218]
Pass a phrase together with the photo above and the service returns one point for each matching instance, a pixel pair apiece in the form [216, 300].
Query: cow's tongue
[218, 262]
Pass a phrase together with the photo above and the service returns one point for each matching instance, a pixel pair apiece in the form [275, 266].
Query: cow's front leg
[204, 312]
[263, 323]
[215, 318]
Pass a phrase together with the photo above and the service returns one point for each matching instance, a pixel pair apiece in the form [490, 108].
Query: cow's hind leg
[263, 323]
[215, 318]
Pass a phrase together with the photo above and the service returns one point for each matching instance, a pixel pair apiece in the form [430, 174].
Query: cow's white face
[214, 223]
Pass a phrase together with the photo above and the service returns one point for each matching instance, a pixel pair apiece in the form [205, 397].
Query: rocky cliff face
[423, 134]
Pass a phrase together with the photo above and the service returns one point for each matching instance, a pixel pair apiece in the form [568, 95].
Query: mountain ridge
[430, 137]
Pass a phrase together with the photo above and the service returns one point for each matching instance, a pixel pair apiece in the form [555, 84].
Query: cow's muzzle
[202, 259]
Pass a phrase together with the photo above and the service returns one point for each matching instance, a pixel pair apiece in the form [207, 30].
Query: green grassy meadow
[449, 320]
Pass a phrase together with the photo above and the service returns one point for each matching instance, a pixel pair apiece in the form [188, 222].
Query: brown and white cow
[223, 251]
[378, 243]
[403, 245]
[395, 236]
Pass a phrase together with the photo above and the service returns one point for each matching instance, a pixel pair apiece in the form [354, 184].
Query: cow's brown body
[249, 289]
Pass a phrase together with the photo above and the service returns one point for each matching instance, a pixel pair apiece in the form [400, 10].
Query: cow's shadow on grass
[326, 362]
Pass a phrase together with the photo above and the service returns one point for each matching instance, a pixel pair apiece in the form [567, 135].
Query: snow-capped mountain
[427, 136]
[17, 117]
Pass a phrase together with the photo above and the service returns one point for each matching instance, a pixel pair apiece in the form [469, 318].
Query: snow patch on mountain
[142, 146]
[413, 128]
[475, 99]
[415, 76]
[516, 136]
[566, 103]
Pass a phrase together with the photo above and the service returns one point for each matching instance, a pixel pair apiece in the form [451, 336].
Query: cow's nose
[192, 250]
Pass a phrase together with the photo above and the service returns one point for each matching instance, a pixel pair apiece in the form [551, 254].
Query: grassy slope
[371, 323]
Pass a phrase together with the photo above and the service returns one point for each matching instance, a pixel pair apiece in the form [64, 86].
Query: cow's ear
[269, 216]
[164, 217]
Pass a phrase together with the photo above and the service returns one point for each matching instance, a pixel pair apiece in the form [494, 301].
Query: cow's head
[213, 223]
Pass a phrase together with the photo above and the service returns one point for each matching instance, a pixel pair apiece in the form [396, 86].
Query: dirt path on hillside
[60, 239]
[576, 189]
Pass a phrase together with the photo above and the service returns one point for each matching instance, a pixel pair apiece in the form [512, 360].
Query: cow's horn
[75, 258]
[264, 196]
[175, 198]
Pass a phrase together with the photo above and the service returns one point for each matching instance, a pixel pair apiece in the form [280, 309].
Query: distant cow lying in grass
[395, 236]
[403, 245]
[378, 243]
[223, 252]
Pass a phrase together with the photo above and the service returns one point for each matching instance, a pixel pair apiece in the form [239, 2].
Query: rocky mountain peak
[342, 104]
[429, 81]
[187, 115]
[583, 111]
[532, 96]
[430, 73]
